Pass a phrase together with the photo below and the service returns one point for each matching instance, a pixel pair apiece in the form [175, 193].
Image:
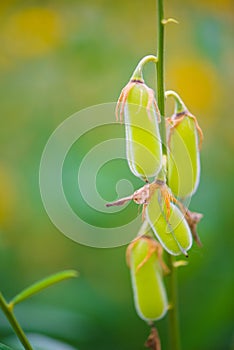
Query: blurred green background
[58, 57]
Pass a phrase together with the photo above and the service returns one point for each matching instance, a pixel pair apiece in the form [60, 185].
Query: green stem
[14, 323]
[173, 313]
[160, 74]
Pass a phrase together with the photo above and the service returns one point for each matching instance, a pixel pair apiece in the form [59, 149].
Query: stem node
[169, 20]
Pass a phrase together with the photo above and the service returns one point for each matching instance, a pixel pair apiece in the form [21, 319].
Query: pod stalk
[137, 74]
[180, 107]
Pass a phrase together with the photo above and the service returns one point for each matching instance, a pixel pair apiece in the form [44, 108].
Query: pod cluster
[169, 181]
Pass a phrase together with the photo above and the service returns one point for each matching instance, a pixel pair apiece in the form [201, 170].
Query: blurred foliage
[58, 57]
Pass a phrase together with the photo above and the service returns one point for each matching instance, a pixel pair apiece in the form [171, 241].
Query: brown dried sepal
[168, 198]
[176, 119]
[192, 219]
[153, 247]
[153, 341]
[143, 195]
[119, 110]
[122, 100]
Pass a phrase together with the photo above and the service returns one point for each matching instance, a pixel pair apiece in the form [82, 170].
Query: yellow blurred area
[7, 195]
[31, 32]
[4, 62]
[216, 5]
[198, 83]
[4, 5]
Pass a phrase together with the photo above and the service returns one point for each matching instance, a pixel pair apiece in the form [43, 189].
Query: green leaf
[40, 342]
[42, 284]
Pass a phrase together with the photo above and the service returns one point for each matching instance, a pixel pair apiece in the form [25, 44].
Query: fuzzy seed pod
[141, 116]
[146, 275]
[168, 223]
[183, 148]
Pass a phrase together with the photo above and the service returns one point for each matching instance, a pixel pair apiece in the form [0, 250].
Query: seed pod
[183, 158]
[168, 224]
[143, 144]
[146, 275]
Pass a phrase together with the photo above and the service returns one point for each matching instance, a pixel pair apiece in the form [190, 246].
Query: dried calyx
[164, 217]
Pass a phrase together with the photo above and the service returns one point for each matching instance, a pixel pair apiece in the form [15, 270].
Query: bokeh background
[58, 57]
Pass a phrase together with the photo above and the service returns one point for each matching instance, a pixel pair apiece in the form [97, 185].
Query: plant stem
[14, 323]
[173, 312]
[160, 74]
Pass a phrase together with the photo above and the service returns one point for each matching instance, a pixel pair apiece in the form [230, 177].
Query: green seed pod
[183, 159]
[146, 275]
[143, 143]
[168, 224]
[183, 153]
